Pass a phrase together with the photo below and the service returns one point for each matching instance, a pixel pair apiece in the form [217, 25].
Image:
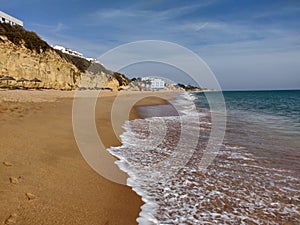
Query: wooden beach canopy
[7, 78]
[22, 79]
[35, 80]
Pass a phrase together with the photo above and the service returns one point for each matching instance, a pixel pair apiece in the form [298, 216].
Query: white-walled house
[5, 18]
[157, 84]
[67, 51]
[154, 83]
[74, 53]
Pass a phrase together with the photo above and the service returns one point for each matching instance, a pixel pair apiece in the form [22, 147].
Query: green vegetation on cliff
[188, 87]
[122, 79]
[97, 67]
[30, 40]
[81, 63]
[18, 35]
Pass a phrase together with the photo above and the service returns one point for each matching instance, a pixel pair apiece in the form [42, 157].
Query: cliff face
[49, 67]
[54, 71]
[100, 80]
[24, 54]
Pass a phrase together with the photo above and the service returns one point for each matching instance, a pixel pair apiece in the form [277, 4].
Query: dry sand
[43, 177]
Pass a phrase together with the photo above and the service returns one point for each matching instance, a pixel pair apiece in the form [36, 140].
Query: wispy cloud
[148, 14]
[114, 26]
[54, 28]
[278, 11]
[249, 44]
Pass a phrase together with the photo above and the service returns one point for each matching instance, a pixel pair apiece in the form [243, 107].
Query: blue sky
[247, 44]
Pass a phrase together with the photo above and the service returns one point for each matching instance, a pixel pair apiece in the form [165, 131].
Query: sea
[252, 178]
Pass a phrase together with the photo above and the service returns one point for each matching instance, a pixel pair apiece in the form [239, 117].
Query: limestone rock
[99, 80]
[54, 71]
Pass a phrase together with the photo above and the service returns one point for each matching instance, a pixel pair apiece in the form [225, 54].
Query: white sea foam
[235, 189]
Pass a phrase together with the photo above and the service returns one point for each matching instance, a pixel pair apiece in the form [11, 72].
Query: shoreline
[37, 144]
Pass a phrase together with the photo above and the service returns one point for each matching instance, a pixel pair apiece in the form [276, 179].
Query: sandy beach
[43, 177]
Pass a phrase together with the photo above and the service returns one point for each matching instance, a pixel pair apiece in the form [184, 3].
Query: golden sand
[43, 177]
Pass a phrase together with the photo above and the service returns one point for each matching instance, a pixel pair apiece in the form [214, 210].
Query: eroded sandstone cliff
[54, 72]
[30, 57]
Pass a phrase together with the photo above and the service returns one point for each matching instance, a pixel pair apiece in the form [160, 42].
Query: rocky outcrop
[99, 80]
[31, 57]
[54, 71]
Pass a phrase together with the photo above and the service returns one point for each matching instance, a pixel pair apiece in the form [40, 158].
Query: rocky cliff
[49, 67]
[24, 54]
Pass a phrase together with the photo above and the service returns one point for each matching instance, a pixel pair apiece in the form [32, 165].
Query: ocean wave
[235, 188]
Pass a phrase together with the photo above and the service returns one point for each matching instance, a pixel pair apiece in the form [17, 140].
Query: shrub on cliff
[18, 35]
[81, 63]
[122, 79]
[98, 68]
[188, 87]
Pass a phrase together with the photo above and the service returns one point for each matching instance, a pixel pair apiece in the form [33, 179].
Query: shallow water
[253, 179]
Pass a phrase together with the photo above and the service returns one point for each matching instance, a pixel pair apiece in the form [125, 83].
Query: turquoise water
[266, 122]
[270, 107]
[253, 179]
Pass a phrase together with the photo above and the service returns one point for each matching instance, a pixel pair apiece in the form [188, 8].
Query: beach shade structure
[22, 79]
[7, 78]
[35, 80]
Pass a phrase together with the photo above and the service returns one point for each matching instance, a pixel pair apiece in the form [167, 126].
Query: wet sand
[43, 177]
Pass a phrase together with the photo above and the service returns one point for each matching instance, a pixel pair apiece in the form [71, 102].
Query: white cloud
[54, 28]
[157, 15]
[278, 11]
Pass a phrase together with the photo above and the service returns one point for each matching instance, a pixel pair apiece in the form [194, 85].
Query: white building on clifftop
[68, 51]
[72, 52]
[154, 83]
[5, 18]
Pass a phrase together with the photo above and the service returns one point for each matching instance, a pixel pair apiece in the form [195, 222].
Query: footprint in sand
[12, 219]
[14, 180]
[30, 196]
[7, 164]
